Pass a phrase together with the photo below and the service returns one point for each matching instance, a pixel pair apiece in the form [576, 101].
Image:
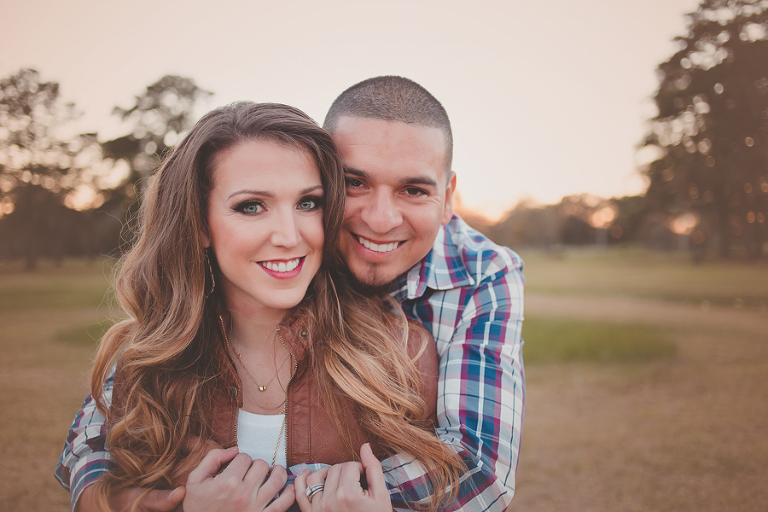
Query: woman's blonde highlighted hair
[165, 344]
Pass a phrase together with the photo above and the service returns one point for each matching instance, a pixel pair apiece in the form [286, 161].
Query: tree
[711, 132]
[39, 166]
[160, 116]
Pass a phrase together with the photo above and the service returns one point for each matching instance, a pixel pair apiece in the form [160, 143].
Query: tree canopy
[41, 167]
[52, 181]
[711, 132]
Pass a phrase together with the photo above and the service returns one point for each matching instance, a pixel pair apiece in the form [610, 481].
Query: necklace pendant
[262, 388]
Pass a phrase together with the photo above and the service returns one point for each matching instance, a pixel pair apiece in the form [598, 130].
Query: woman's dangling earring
[209, 272]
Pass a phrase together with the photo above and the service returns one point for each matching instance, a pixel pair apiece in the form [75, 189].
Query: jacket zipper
[287, 387]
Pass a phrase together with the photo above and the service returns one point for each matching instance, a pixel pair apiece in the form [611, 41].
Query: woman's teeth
[283, 266]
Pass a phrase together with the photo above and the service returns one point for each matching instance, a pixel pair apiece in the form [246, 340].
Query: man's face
[397, 195]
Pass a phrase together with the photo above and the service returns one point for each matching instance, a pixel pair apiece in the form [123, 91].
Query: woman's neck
[254, 331]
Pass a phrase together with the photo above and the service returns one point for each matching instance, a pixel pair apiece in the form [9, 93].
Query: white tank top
[257, 436]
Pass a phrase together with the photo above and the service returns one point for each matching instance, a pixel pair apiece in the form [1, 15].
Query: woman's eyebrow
[266, 193]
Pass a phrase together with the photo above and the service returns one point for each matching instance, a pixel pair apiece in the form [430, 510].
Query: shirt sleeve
[481, 397]
[85, 458]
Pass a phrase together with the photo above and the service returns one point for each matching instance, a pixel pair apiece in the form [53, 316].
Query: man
[400, 236]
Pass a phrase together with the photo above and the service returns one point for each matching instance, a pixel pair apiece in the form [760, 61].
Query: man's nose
[381, 214]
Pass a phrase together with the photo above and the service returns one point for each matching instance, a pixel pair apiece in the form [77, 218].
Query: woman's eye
[310, 203]
[249, 207]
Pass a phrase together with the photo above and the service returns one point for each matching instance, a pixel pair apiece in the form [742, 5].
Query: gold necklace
[285, 402]
[239, 358]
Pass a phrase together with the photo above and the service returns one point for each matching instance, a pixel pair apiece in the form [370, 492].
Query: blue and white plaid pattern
[468, 292]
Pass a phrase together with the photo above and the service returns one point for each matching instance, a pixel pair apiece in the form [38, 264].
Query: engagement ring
[314, 489]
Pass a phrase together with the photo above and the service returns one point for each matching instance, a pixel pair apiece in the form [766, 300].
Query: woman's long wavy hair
[165, 344]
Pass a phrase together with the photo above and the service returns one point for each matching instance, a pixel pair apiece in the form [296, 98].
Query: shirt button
[303, 333]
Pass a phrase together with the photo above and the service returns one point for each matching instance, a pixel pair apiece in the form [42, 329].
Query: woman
[243, 330]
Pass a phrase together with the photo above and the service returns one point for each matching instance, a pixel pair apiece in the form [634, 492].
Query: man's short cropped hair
[393, 98]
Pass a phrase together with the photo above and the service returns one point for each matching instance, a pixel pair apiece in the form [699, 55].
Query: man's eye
[352, 182]
[415, 191]
[310, 203]
[249, 207]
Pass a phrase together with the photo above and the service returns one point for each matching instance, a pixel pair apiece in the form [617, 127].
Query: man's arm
[480, 407]
[481, 394]
[85, 458]
[481, 399]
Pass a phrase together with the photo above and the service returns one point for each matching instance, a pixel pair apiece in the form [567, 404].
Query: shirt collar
[441, 269]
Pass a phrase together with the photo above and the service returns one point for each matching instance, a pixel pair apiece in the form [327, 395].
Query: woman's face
[265, 224]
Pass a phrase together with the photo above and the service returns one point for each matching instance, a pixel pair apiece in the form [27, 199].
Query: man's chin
[372, 282]
[371, 286]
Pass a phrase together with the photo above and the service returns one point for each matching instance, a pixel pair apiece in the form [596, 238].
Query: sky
[546, 98]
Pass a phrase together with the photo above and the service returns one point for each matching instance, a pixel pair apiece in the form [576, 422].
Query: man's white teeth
[378, 247]
[283, 266]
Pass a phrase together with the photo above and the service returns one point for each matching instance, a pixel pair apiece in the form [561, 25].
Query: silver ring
[314, 489]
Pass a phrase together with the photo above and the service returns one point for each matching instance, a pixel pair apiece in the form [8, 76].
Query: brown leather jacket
[311, 434]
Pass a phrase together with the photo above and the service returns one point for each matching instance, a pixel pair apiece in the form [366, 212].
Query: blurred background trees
[157, 119]
[64, 193]
[711, 132]
[41, 167]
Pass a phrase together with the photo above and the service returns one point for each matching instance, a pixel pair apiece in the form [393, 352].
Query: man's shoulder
[461, 258]
[481, 256]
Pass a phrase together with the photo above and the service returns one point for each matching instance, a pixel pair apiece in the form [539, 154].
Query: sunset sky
[546, 98]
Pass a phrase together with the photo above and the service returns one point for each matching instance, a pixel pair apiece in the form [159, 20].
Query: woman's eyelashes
[254, 207]
[310, 203]
[249, 207]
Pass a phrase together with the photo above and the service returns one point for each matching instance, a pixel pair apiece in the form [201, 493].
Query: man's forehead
[389, 140]
[348, 125]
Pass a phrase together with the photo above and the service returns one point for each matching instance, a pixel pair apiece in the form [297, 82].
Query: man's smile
[377, 247]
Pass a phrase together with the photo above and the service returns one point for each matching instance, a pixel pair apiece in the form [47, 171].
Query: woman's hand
[342, 491]
[238, 487]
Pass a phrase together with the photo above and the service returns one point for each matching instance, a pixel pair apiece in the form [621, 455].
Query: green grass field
[598, 383]
[628, 272]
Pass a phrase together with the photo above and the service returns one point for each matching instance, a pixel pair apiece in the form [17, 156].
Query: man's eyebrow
[419, 180]
[408, 180]
[356, 172]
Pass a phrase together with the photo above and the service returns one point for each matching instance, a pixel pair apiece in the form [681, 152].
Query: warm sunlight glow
[684, 224]
[602, 218]
[84, 197]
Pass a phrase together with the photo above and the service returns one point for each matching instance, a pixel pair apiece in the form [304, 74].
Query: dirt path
[624, 309]
[687, 433]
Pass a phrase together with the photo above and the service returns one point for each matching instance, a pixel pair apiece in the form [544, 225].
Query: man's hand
[146, 500]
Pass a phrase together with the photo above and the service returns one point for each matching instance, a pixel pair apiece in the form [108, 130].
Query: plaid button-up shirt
[468, 292]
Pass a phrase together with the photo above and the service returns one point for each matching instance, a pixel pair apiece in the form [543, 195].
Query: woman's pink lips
[285, 275]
